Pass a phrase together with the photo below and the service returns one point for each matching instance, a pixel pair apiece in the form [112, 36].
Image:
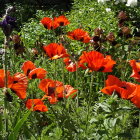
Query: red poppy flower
[96, 61]
[18, 85]
[70, 66]
[55, 90]
[69, 91]
[135, 64]
[55, 51]
[135, 96]
[52, 89]
[61, 20]
[36, 105]
[79, 34]
[32, 72]
[2, 78]
[122, 88]
[49, 23]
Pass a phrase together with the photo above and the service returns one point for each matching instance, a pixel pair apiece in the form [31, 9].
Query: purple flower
[8, 24]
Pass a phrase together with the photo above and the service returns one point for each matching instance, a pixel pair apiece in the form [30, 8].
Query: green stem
[77, 86]
[55, 73]
[63, 73]
[89, 100]
[6, 44]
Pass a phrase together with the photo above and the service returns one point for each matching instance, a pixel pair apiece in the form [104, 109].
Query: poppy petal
[27, 67]
[39, 73]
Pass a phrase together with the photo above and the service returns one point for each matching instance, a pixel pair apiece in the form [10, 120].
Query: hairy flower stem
[63, 75]
[77, 85]
[6, 44]
[89, 101]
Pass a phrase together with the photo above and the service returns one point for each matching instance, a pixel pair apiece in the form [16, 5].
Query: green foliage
[91, 114]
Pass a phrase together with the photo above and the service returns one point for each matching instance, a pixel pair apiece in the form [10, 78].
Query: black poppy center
[82, 39]
[14, 82]
[37, 111]
[34, 76]
[101, 68]
[123, 87]
[61, 23]
[51, 27]
[51, 90]
[28, 71]
[74, 37]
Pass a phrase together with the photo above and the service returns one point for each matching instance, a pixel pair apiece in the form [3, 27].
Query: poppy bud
[96, 38]
[16, 38]
[98, 31]
[122, 15]
[110, 37]
[34, 51]
[126, 30]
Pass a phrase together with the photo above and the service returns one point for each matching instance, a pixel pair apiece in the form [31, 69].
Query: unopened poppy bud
[16, 39]
[34, 51]
[126, 30]
[122, 15]
[96, 38]
[110, 37]
[98, 31]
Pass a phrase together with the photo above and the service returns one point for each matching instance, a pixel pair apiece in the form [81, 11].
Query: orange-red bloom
[54, 23]
[52, 89]
[55, 51]
[135, 96]
[49, 23]
[61, 20]
[122, 88]
[96, 61]
[70, 66]
[36, 105]
[32, 72]
[17, 83]
[135, 64]
[79, 34]
[69, 91]
[55, 90]
[2, 77]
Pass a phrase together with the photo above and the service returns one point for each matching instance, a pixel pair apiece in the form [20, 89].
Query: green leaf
[14, 133]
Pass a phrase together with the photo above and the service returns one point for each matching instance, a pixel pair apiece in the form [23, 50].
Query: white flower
[91, 9]
[108, 9]
[103, 1]
[132, 3]
[118, 1]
